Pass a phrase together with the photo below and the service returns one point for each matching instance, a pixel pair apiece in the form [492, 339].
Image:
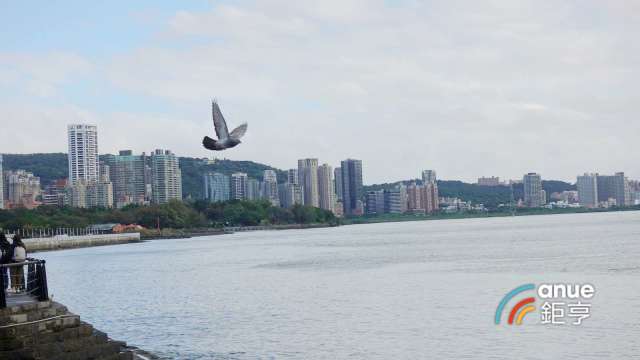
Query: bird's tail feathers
[209, 143]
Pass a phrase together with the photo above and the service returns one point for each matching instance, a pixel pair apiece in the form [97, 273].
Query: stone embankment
[60, 242]
[47, 330]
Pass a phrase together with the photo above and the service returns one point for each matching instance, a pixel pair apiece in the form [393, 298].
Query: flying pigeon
[226, 139]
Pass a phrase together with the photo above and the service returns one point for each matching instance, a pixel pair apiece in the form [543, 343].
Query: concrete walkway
[19, 299]
[60, 242]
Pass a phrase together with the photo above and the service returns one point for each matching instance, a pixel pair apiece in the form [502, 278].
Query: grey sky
[468, 88]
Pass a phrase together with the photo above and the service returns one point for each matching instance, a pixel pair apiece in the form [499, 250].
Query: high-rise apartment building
[395, 200]
[533, 195]
[22, 189]
[269, 176]
[77, 194]
[104, 195]
[290, 195]
[621, 189]
[414, 198]
[83, 153]
[375, 202]
[326, 192]
[55, 194]
[429, 197]
[337, 174]
[100, 193]
[614, 187]
[292, 176]
[351, 174]
[131, 176]
[422, 198]
[308, 179]
[166, 177]
[489, 181]
[254, 189]
[282, 195]
[634, 192]
[1, 185]
[588, 190]
[429, 191]
[239, 186]
[270, 187]
[217, 187]
[428, 176]
[605, 188]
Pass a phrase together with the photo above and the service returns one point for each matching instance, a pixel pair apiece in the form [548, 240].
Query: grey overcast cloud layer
[468, 88]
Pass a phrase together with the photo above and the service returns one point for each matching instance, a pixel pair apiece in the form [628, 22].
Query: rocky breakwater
[47, 330]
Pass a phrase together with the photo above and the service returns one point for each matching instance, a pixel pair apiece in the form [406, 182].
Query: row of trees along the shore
[175, 214]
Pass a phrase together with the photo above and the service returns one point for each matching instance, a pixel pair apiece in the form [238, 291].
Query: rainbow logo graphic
[522, 308]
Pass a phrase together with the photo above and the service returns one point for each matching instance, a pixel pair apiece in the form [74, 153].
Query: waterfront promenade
[59, 242]
[71, 241]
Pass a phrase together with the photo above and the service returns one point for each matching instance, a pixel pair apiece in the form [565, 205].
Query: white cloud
[467, 88]
[41, 74]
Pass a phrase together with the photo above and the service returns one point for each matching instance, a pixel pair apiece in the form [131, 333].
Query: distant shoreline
[168, 234]
[475, 215]
[77, 242]
[387, 219]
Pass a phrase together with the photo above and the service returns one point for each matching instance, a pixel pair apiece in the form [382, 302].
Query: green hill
[48, 167]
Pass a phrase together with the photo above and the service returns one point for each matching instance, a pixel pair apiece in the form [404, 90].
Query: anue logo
[558, 301]
[524, 305]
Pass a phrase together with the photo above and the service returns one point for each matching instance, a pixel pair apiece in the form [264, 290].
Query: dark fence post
[3, 288]
[42, 281]
[32, 277]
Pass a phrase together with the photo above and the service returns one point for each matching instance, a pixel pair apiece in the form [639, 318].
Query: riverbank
[188, 233]
[62, 242]
[153, 234]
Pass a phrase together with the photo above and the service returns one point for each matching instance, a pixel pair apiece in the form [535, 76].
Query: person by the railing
[5, 257]
[19, 255]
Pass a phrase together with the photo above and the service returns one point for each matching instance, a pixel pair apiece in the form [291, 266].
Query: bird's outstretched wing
[238, 132]
[218, 122]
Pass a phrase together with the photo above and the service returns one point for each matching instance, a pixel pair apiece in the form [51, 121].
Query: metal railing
[18, 284]
[30, 233]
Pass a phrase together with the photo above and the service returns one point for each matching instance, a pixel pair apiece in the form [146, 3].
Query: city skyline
[487, 178]
[89, 138]
[500, 100]
[484, 176]
[137, 179]
[83, 144]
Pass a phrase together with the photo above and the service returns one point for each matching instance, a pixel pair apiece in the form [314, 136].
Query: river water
[412, 290]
